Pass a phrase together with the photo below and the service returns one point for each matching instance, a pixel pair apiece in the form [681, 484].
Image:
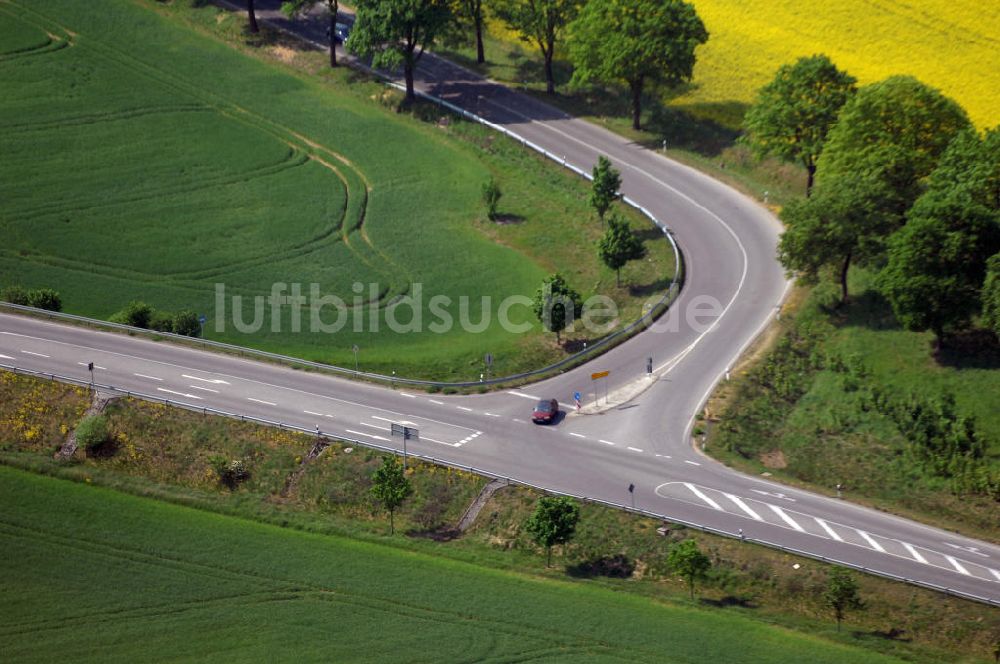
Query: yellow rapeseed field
[953, 45]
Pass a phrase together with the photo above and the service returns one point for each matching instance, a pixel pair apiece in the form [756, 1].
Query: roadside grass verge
[167, 454]
[129, 179]
[804, 412]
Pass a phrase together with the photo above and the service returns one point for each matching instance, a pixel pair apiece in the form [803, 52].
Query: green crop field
[142, 160]
[103, 576]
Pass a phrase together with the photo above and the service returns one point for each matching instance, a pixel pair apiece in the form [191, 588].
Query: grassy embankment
[169, 454]
[133, 170]
[747, 43]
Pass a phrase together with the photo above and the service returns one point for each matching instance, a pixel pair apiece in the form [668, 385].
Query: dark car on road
[545, 411]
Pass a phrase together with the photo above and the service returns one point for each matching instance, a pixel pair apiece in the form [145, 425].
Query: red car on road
[545, 411]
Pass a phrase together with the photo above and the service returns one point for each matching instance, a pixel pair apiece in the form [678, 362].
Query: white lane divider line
[634, 449]
[829, 531]
[994, 572]
[868, 538]
[693, 463]
[464, 408]
[522, 395]
[916, 554]
[96, 366]
[787, 519]
[369, 435]
[696, 491]
[204, 389]
[6, 357]
[266, 403]
[408, 395]
[435, 401]
[214, 381]
[148, 377]
[664, 456]
[519, 421]
[957, 565]
[606, 442]
[180, 394]
[743, 506]
[374, 426]
[28, 352]
[578, 435]
[309, 412]
[491, 415]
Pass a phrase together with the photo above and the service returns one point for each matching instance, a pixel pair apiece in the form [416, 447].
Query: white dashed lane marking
[6, 357]
[693, 463]
[464, 408]
[96, 366]
[787, 519]
[408, 395]
[995, 573]
[578, 435]
[204, 389]
[434, 401]
[696, 491]
[491, 415]
[28, 352]
[607, 442]
[367, 435]
[266, 403]
[871, 542]
[522, 395]
[180, 394]
[634, 449]
[148, 377]
[309, 412]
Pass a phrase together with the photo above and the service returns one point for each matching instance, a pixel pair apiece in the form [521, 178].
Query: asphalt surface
[641, 439]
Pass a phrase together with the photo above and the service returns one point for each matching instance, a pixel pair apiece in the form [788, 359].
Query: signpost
[202, 319]
[576, 398]
[355, 349]
[406, 433]
[489, 364]
[598, 376]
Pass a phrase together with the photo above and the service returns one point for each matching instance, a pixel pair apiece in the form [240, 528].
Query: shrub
[92, 433]
[45, 298]
[15, 295]
[186, 323]
[161, 321]
[232, 473]
[491, 197]
[135, 313]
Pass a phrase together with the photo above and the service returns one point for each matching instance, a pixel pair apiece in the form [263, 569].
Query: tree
[937, 262]
[556, 305]
[607, 182]
[991, 295]
[252, 16]
[841, 593]
[553, 522]
[687, 560]
[472, 11]
[897, 128]
[45, 298]
[390, 487]
[619, 246]
[135, 314]
[92, 432]
[845, 222]
[292, 8]
[396, 32]
[161, 321]
[187, 323]
[793, 114]
[541, 22]
[635, 42]
[15, 295]
[971, 164]
[491, 197]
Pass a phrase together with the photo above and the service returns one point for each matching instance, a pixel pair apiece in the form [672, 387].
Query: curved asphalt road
[641, 440]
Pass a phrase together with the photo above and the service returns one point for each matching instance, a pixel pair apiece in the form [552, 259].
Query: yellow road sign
[599, 374]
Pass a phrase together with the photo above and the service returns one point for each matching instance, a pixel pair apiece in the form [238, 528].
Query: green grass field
[133, 169]
[110, 577]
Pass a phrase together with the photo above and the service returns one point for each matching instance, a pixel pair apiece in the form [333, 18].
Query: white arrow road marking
[743, 506]
[149, 377]
[829, 531]
[868, 538]
[774, 495]
[787, 519]
[522, 395]
[968, 549]
[916, 554]
[180, 394]
[266, 403]
[83, 364]
[369, 435]
[214, 381]
[204, 389]
[957, 565]
[696, 491]
[28, 352]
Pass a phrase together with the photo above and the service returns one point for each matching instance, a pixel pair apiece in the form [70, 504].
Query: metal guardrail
[497, 476]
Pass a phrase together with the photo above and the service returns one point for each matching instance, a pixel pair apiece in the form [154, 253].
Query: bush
[186, 323]
[161, 321]
[230, 473]
[93, 434]
[45, 298]
[15, 295]
[136, 314]
[491, 197]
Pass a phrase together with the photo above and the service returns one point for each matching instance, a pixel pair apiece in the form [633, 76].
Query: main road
[636, 451]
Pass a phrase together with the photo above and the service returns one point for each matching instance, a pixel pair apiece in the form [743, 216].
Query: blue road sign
[577, 396]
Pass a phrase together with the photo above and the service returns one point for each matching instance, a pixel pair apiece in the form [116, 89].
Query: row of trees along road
[635, 43]
[903, 185]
